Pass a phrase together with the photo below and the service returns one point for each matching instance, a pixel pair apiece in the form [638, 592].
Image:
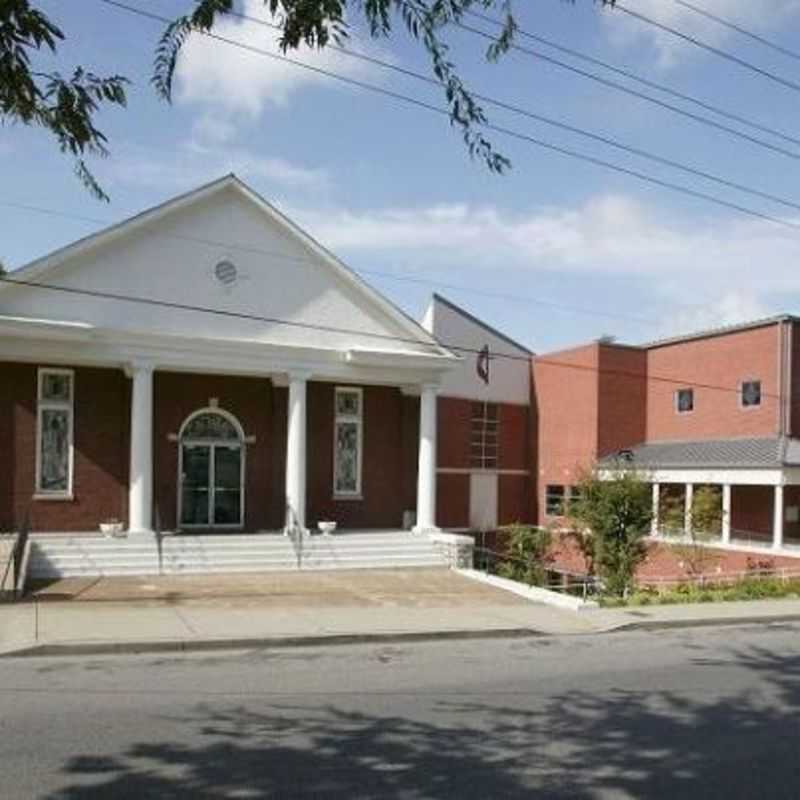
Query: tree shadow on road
[630, 744]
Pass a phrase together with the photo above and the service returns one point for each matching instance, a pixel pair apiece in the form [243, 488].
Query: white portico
[265, 385]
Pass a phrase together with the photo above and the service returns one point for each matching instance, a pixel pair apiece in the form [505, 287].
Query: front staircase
[64, 555]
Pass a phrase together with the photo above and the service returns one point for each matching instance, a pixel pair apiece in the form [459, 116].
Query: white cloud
[195, 163]
[730, 267]
[732, 307]
[216, 74]
[760, 16]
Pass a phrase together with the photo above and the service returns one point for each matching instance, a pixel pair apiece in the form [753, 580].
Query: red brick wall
[794, 398]
[622, 398]
[514, 437]
[566, 402]
[250, 400]
[410, 450]
[452, 500]
[385, 463]
[514, 453]
[100, 442]
[454, 416]
[513, 499]
[715, 361]
[751, 511]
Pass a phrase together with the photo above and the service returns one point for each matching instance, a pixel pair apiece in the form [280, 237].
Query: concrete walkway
[247, 611]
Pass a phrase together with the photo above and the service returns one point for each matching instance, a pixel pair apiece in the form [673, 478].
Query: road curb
[703, 622]
[264, 643]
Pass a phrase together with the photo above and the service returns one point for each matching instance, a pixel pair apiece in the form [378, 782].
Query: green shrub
[527, 554]
[748, 588]
[617, 511]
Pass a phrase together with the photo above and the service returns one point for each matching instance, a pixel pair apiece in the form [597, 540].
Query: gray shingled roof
[713, 453]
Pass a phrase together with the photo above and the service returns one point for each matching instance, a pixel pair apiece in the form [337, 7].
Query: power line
[525, 112]
[527, 34]
[734, 59]
[215, 243]
[574, 154]
[739, 29]
[633, 93]
[319, 328]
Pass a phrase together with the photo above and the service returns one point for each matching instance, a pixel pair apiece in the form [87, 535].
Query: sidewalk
[179, 614]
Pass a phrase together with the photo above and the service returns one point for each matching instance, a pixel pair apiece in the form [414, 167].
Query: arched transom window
[211, 471]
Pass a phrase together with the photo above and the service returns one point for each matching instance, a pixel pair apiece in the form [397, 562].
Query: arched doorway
[211, 471]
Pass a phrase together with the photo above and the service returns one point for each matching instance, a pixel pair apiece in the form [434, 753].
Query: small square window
[554, 500]
[56, 386]
[750, 394]
[347, 403]
[684, 401]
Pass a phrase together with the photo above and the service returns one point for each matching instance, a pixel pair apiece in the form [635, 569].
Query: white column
[777, 521]
[687, 510]
[140, 484]
[296, 453]
[426, 474]
[726, 513]
[656, 509]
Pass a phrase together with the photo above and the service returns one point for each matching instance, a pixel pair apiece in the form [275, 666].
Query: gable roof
[40, 267]
[437, 298]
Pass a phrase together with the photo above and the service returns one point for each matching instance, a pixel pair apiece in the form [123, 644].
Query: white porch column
[140, 485]
[296, 453]
[777, 521]
[654, 525]
[726, 513]
[426, 474]
[687, 510]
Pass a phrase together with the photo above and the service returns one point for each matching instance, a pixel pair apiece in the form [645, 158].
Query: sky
[555, 252]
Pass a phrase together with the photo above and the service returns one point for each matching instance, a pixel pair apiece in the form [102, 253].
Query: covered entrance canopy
[758, 481]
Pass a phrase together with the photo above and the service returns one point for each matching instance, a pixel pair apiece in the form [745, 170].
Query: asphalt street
[700, 713]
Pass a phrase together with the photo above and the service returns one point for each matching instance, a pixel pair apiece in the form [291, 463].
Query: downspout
[788, 390]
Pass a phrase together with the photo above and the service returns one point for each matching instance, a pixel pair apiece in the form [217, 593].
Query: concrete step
[184, 568]
[74, 556]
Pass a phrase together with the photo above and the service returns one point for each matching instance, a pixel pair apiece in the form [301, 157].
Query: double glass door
[211, 485]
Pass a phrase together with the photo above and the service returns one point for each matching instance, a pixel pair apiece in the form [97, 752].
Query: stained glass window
[347, 444]
[210, 426]
[55, 422]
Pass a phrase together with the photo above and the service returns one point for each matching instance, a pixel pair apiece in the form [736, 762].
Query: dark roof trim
[721, 331]
[458, 310]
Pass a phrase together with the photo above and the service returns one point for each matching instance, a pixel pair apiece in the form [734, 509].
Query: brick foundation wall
[101, 451]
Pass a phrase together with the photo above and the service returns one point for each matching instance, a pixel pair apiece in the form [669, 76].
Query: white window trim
[55, 405]
[238, 444]
[758, 405]
[675, 400]
[359, 421]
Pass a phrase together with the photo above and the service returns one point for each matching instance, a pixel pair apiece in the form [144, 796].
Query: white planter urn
[326, 527]
[112, 528]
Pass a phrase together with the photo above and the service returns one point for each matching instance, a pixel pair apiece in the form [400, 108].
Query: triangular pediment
[217, 263]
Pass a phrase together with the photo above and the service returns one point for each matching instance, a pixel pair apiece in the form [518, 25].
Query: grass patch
[744, 589]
